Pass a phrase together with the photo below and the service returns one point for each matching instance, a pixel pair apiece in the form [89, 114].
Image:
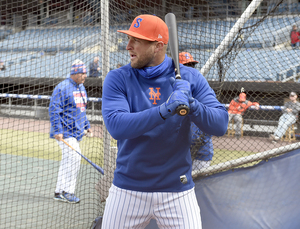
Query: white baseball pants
[198, 164]
[69, 166]
[133, 210]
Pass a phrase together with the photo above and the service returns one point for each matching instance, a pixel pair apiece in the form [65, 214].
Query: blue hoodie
[67, 110]
[152, 152]
[202, 145]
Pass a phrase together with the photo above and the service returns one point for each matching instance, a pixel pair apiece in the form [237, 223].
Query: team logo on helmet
[138, 22]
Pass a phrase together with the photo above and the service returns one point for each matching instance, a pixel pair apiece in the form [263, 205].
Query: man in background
[67, 111]
[94, 68]
[201, 149]
[2, 65]
[237, 109]
[119, 65]
[289, 117]
[187, 59]
[295, 34]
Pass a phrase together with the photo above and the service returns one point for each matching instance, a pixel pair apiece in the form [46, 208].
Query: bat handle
[182, 110]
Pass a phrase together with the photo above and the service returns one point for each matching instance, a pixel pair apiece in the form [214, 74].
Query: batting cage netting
[247, 50]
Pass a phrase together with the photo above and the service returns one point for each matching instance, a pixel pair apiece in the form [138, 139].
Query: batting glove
[168, 108]
[180, 84]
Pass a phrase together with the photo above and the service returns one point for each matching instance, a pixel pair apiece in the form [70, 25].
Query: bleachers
[209, 34]
[248, 66]
[28, 49]
[261, 65]
[284, 8]
[50, 40]
[53, 66]
[200, 34]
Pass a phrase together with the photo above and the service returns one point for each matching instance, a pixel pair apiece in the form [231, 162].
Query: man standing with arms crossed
[67, 111]
[95, 67]
[153, 179]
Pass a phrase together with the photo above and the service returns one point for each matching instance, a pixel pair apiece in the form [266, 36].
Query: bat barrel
[171, 22]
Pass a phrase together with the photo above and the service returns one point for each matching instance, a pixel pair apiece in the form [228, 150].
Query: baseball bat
[85, 158]
[171, 22]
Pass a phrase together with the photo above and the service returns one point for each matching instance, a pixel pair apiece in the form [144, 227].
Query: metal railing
[39, 110]
[93, 100]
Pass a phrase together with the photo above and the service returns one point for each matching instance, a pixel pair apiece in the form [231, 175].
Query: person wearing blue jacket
[202, 149]
[94, 67]
[152, 179]
[67, 111]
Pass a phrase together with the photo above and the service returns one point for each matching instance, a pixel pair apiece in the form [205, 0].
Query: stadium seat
[282, 8]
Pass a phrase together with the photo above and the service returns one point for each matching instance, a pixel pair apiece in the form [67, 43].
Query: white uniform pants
[69, 166]
[238, 119]
[132, 210]
[285, 121]
[198, 164]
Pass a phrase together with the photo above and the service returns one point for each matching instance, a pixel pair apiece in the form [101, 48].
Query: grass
[28, 144]
[39, 145]
[221, 156]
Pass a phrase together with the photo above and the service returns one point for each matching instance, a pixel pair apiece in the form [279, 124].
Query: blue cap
[78, 67]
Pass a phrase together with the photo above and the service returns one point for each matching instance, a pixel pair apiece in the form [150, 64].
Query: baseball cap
[185, 57]
[78, 67]
[242, 97]
[293, 94]
[148, 27]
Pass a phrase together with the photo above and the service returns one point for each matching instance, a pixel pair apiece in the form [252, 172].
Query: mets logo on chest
[154, 95]
[80, 100]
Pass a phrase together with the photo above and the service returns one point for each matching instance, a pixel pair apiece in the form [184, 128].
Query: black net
[41, 39]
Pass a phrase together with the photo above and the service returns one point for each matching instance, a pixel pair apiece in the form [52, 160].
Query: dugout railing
[41, 112]
[252, 127]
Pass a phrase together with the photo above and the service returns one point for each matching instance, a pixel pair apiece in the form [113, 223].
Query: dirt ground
[245, 143]
[41, 126]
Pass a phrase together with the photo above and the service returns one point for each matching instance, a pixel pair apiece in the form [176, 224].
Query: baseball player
[152, 179]
[67, 111]
[237, 108]
[202, 147]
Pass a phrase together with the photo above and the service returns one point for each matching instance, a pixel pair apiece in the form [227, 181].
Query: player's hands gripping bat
[170, 20]
[176, 99]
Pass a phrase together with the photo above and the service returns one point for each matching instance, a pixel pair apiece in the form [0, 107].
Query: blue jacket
[152, 152]
[202, 147]
[93, 70]
[67, 110]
